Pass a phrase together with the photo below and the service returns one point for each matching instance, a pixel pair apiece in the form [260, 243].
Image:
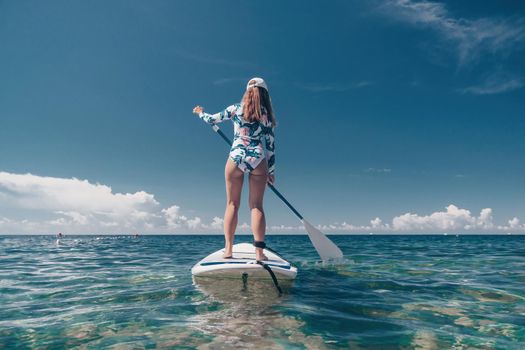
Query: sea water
[390, 292]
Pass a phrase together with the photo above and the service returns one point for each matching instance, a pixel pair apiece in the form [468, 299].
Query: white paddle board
[243, 262]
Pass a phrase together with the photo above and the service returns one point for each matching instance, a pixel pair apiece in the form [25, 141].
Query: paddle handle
[277, 193]
[219, 131]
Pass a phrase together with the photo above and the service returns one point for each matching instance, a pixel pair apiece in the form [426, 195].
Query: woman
[252, 152]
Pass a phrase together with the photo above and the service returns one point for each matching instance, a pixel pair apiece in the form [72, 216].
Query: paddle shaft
[277, 193]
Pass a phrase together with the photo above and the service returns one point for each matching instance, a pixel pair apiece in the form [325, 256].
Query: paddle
[324, 246]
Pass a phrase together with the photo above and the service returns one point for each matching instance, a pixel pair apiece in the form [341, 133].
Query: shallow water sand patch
[463, 342]
[425, 339]
[139, 336]
[273, 331]
[443, 310]
[501, 329]
[492, 295]
[464, 321]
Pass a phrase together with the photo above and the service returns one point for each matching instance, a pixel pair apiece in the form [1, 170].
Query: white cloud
[173, 217]
[333, 87]
[377, 224]
[75, 216]
[244, 227]
[225, 81]
[175, 220]
[378, 170]
[484, 220]
[513, 224]
[79, 206]
[217, 223]
[453, 219]
[495, 84]
[470, 38]
[27, 191]
[195, 223]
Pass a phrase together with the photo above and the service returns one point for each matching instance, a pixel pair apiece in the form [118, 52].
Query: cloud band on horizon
[51, 204]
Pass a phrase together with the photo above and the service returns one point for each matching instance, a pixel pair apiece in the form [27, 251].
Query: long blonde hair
[254, 98]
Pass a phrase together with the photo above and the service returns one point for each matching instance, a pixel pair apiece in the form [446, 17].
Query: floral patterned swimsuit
[252, 141]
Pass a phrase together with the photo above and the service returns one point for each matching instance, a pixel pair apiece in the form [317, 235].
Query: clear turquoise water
[393, 292]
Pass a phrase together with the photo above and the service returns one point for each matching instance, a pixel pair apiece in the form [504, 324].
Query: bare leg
[258, 178]
[234, 178]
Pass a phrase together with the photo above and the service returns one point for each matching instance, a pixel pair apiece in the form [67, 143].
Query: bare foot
[259, 255]
[228, 254]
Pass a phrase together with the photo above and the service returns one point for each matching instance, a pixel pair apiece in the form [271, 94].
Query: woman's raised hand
[198, 110]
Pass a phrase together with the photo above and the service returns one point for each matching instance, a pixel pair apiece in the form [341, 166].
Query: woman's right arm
[217, 117]
[269, 140]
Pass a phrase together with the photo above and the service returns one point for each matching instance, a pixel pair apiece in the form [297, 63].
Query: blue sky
[385, 109]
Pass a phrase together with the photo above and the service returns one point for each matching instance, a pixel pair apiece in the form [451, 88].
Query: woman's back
[250, 129]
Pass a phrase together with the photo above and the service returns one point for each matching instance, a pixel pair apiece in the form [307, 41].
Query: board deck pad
[243, 262]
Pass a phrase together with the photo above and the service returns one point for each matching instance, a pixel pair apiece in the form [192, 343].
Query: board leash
[274, 279]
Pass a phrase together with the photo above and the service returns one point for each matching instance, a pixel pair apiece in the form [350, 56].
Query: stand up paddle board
[243, 264]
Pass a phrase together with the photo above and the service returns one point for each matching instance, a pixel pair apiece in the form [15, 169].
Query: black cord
[275, 282]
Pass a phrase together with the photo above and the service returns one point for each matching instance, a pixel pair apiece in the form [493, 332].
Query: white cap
[256, 82]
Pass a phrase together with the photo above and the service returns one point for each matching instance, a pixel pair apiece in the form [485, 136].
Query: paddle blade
[326, 249]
